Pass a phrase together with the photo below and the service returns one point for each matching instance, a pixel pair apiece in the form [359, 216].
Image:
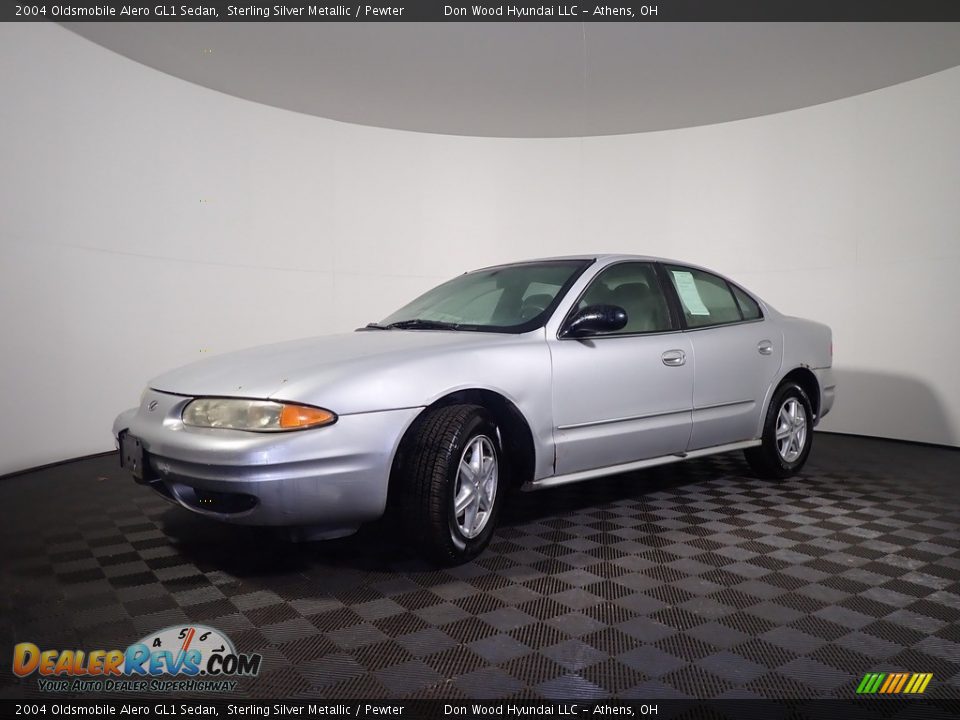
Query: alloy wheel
[791, 429]
[476, 486]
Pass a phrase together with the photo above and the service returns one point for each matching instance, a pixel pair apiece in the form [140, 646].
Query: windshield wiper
[374, 326]
[420, 324]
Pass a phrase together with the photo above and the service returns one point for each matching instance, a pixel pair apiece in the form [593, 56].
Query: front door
[627, 395]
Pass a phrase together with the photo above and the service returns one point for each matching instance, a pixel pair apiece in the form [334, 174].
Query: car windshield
[508, 298]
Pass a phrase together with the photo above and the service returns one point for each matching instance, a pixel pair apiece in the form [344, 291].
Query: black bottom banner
[925, 708]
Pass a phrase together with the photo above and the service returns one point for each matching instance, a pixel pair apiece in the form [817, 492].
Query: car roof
[599, 257]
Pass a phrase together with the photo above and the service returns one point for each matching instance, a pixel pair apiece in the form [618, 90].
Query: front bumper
[331, 479]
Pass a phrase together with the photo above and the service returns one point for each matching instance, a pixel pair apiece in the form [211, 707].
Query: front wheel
[787, 435]
[452, 476]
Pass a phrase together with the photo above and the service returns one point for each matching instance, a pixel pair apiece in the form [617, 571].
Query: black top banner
[482, 11]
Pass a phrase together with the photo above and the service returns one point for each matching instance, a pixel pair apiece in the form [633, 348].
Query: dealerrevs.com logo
[177, 658]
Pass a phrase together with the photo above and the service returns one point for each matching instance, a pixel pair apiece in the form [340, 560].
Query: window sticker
[689, 295]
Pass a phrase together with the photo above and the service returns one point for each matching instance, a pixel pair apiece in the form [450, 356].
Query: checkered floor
[692, 580]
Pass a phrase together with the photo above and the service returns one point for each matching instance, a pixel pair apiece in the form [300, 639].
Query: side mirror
[595, 319]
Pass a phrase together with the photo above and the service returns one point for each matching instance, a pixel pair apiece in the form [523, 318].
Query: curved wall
[145, 221]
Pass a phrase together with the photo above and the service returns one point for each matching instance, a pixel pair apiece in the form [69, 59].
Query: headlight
[255, 415]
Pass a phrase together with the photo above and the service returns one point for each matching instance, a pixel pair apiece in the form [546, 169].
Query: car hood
[300, 370]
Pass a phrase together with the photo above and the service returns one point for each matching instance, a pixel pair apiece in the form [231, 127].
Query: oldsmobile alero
[530, 375]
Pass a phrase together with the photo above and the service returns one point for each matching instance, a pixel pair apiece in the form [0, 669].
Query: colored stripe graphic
[888, 683]
[915, 682]
[875, 685]
[894, 683]
[901, 683]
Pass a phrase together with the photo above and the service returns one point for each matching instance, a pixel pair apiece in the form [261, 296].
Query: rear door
[738, 354]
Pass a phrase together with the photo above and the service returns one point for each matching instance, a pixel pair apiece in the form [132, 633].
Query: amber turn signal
[302, 416]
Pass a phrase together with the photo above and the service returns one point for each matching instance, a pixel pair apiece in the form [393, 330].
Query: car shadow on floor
[250, 552]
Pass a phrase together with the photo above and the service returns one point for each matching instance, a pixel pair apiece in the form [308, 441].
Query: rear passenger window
[705, 299]
[748, 306]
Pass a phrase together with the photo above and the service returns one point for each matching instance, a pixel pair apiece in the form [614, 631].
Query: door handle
[765, 347]
[673, 358]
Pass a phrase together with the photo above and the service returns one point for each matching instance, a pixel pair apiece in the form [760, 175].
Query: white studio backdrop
[146, 221]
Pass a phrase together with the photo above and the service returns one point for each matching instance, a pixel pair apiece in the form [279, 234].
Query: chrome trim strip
[646, 416]
[637, 465]
[725, 404]
[723, 325]
[593, 423]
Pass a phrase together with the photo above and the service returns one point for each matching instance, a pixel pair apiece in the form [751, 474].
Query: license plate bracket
[133, 457]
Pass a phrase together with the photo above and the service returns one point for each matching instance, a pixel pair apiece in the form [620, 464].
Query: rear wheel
[452, 478]
[787, 434]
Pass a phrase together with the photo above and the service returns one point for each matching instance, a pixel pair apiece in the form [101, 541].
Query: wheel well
[515, 433]
[805, 378]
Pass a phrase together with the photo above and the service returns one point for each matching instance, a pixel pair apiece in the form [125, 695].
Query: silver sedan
[527, 375]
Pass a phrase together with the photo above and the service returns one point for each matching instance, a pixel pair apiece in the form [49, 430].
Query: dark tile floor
[690, 580]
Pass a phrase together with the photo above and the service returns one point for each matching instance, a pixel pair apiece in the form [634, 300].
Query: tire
[435, 466]
[789, 412]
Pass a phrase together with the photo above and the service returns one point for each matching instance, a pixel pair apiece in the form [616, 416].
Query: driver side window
[634, 287]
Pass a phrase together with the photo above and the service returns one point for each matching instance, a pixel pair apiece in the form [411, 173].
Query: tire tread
[764, 459]
[425, 469]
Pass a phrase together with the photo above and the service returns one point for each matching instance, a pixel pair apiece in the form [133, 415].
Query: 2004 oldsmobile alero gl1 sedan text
[531, 374]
